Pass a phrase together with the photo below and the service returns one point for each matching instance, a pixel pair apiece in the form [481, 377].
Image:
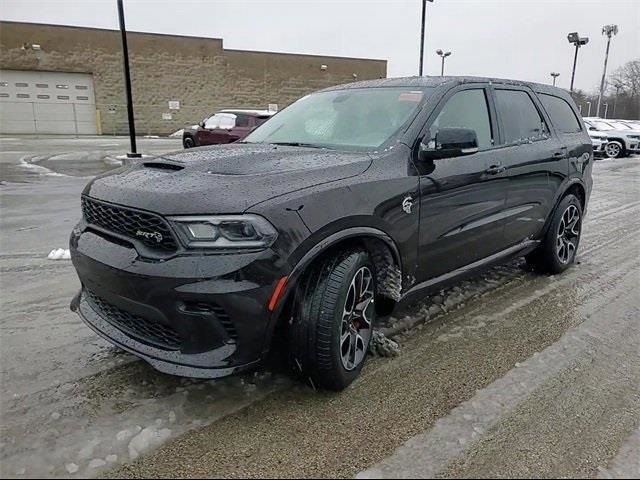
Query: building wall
[198, 72]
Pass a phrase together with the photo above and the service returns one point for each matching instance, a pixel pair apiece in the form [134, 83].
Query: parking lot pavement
[509, 373]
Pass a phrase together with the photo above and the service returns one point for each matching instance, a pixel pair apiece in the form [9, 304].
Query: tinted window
[242, 120]
[466, 109]
[561, 114]
[261, 120]
[520, 118]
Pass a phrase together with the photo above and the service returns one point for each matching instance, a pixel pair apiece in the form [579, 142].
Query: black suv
[325, 217]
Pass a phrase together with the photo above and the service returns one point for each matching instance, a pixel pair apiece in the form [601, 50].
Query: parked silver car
[622, 140]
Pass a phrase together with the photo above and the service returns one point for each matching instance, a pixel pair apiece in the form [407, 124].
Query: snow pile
[383, 346]
[59, 254]
[148, 438]
[177, 133]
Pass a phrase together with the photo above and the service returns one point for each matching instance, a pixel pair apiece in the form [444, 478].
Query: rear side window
[561, 113]
[520, 119]
[466, 109]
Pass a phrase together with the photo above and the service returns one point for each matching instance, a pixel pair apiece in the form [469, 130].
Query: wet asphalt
[506, 374]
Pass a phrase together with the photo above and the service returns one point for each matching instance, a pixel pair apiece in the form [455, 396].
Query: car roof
[432, 81]
[247, 111]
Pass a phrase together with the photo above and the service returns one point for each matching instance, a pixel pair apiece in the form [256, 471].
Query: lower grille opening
[155, 333]
[218, 311]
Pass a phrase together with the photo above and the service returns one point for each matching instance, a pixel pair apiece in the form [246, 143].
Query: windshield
[358, 118]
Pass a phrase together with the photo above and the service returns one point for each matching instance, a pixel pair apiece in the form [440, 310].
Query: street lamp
[442, 55]
[609, 31]
[617, 86]
[424, 17]
[554, 75]
[578, 41]
[127, 83]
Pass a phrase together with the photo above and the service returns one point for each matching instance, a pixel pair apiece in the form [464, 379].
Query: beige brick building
[199, 73]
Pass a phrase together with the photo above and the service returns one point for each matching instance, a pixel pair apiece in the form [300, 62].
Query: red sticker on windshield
[410, 97]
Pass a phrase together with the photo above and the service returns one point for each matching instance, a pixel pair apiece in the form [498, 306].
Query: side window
[520, 118]
[467, 109]
[242, 120]
[561, 114]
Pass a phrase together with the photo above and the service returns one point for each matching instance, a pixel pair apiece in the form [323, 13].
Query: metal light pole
[554, 75]
[589, 111]
[578, 41]
[127, 83]
[606, 109]
[609, 31]
[618, 86]
[442, 55]
[424, 17]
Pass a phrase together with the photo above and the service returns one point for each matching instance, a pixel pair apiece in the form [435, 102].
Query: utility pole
[127, 83]
[609, 31]
[424, 18]
[554, 75]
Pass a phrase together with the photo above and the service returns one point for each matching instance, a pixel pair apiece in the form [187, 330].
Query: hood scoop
[163, 166]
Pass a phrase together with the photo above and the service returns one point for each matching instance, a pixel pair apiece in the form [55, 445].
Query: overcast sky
[521, 39]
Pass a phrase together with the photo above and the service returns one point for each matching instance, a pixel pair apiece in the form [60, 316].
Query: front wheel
[332, 324]
[188, 142]
[558, 248]
[613, 150]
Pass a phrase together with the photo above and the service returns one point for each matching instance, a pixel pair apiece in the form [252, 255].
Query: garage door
[47, 102]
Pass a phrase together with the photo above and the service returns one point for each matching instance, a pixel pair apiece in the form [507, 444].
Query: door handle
[495, 169]
[561, 154]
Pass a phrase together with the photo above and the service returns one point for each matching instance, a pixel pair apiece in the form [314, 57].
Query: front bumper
[201, 316]
[598, 146]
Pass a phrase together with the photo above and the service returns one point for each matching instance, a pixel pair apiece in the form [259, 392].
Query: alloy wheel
[612, 150]
[356, 327]
[568, 234]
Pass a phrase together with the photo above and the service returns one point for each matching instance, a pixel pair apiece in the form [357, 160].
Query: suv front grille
[152, 332]
[152, 230]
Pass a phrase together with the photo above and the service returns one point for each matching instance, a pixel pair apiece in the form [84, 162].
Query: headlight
[225, 231]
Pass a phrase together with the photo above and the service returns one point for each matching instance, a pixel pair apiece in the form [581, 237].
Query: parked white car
[622, 140]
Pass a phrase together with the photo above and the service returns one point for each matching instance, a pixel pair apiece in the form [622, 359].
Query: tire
[333, 320]
[560, 244]
[613, 150]
[188, 142]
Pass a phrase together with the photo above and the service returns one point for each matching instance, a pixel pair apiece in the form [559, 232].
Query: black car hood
[224, 178]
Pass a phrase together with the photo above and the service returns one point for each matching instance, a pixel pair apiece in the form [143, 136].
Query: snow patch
[59, 254]
[148, 438]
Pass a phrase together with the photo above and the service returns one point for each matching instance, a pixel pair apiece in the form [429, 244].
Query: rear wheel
[560, 244]
[333, 322]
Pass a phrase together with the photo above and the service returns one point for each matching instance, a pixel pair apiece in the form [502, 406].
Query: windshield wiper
[297, 144]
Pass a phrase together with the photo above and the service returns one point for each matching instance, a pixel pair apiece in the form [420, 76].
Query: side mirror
[449, 142]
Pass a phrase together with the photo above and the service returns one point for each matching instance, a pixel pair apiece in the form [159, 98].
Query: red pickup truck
[225, 126]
